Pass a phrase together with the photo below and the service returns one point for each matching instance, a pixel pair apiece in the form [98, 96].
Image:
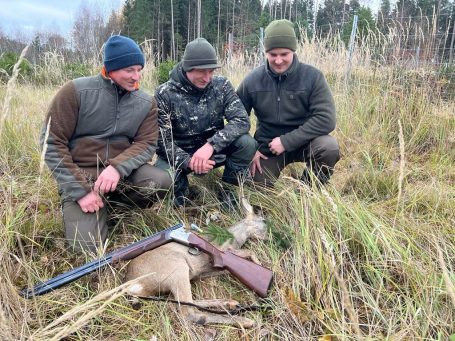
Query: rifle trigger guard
[194, 251]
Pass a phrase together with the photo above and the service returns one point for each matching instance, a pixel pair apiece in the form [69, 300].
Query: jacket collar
[179, 78]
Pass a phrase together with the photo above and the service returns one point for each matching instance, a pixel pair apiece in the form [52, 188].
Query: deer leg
[239, 321]
[217, 303]
[248, 254]
[180, 287]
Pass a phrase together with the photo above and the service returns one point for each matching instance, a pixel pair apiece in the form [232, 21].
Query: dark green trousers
[87, 231]
[320, 156]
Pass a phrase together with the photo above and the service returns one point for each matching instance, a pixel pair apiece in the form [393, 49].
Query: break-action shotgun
[252, 275]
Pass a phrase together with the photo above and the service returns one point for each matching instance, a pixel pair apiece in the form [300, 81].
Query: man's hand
[107, 181]
[256, 163]
[276, 147]
[200, 163]
[91, 202]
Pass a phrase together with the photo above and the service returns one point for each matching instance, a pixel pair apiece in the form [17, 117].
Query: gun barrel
[65, 278]
[125, 253]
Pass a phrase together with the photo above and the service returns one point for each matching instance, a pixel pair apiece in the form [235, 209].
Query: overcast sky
[30, 16]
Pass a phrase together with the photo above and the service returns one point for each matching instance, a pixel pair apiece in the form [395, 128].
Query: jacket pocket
[294, 107]
[88, 151]
[117, 147]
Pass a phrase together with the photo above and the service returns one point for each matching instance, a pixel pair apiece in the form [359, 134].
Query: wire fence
[414, 51]
[411, 40]
[423, 44]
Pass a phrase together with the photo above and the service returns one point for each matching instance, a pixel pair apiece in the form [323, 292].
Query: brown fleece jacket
[91, 126]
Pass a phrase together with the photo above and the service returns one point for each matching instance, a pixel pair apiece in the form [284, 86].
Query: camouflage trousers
[235, 158]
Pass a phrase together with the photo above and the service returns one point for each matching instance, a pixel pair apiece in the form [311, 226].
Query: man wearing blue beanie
[99, 134]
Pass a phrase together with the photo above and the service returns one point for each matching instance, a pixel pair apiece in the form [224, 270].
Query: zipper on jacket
[278, 99]
[115, 123]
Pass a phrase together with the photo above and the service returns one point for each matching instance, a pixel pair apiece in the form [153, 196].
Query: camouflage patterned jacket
[189, 117]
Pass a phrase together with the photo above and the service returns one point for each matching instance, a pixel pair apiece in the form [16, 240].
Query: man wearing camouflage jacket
[193, 106]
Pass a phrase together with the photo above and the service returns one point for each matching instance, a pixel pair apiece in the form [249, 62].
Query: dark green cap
[280, 34]
[199, 54]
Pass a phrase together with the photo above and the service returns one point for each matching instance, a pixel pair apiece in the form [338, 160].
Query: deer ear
[248, 208]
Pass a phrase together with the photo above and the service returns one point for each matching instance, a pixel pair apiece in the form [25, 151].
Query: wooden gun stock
[252, 275]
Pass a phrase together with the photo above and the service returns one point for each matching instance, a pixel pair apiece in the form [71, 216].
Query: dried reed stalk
[449, 285]
[86, 312]
[10, 87]
[402, 162]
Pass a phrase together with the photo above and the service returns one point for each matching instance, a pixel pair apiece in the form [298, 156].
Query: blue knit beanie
[121, 52]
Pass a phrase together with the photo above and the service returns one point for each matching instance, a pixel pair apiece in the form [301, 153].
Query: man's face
[128, 77]
[200, 77]
[280, 59]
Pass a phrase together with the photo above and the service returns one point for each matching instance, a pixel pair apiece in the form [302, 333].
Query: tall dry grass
[372, 256]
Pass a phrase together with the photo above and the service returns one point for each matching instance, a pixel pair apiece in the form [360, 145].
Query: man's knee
[245, 148]
[247, 143]
[239, 155]
[325, 150]
[271, 170]
[152, 177]
[84, 231]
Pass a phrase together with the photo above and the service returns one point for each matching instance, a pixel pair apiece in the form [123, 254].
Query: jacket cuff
[216, 148]
[74, 195]
[287, 144]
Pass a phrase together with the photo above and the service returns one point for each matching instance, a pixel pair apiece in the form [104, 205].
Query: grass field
[370, 257]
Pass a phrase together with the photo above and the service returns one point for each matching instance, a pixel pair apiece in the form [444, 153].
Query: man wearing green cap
[193, 107]
[98, 136]
[294, 108]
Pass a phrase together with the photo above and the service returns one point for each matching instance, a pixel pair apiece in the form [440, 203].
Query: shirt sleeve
[322, 118]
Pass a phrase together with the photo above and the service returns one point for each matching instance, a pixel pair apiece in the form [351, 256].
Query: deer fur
[172, 268]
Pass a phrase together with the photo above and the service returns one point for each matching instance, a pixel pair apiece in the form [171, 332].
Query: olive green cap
[280, 34]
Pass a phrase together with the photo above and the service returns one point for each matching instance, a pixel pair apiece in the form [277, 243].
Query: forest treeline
[419, 28]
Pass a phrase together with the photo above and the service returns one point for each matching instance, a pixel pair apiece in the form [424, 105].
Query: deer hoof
[209, 334]
[136, 304]
[231, 304]
[244, 322]
[198, 319]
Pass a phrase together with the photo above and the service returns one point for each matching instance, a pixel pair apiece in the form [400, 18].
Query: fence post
[451, 44]
[230, 46]
[261, 46]
[351, 49]
[417, 60]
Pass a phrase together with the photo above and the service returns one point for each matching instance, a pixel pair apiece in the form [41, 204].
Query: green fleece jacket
[297, 105]
[92, 123]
